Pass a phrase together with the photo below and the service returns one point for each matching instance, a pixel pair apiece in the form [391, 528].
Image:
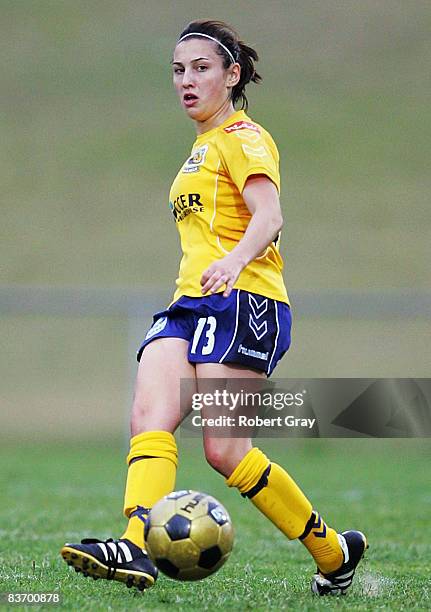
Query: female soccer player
[230, 318]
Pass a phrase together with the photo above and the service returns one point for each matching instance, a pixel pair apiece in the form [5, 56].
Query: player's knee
[217, 458]
[214, 458]
[139, 412]
[138, 421]
[145, 417]
[224, 458]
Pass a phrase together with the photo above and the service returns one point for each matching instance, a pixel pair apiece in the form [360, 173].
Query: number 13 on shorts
[206, 326]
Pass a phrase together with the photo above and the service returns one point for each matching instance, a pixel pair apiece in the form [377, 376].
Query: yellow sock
[279, 498]
[322, 542]
[152, 461]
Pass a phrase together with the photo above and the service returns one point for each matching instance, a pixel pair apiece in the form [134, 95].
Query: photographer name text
[255, 421]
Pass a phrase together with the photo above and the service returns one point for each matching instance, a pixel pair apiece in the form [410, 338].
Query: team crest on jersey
[196, 160]
[241, 125]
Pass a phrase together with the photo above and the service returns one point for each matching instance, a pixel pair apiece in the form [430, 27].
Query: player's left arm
[261, 198]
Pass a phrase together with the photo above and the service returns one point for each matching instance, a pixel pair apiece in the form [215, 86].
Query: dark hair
[243, 54]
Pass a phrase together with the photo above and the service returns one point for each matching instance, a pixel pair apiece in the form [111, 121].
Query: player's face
[202, 83]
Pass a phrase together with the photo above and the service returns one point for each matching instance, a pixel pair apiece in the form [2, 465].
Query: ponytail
[246, 59]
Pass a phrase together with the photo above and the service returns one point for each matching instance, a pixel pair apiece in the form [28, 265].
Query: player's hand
[222, 272]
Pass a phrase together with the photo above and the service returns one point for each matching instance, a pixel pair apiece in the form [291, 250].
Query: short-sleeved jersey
[209, 210]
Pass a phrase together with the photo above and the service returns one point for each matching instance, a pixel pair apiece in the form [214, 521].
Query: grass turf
[60, 492]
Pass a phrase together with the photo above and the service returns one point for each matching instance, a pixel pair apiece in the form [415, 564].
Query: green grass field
[66, 491]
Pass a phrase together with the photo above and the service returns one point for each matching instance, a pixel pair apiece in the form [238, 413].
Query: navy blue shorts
[245, 328]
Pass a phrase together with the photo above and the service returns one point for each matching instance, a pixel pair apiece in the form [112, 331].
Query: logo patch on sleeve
[241, 125]
[254, 151]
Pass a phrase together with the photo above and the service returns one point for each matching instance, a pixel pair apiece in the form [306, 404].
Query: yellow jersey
[210, 213]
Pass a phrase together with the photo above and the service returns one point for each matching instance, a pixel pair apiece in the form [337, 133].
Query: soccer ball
[188, 535]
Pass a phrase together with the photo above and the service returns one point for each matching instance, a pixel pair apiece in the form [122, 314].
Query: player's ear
[234, 75]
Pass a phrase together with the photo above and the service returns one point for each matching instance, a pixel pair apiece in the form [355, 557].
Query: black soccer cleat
[354, 545]
[113, 560]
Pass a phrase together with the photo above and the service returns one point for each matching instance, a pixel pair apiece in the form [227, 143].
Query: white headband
[211, 38]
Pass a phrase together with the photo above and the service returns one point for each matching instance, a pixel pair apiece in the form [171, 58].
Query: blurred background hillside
[92, 136]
